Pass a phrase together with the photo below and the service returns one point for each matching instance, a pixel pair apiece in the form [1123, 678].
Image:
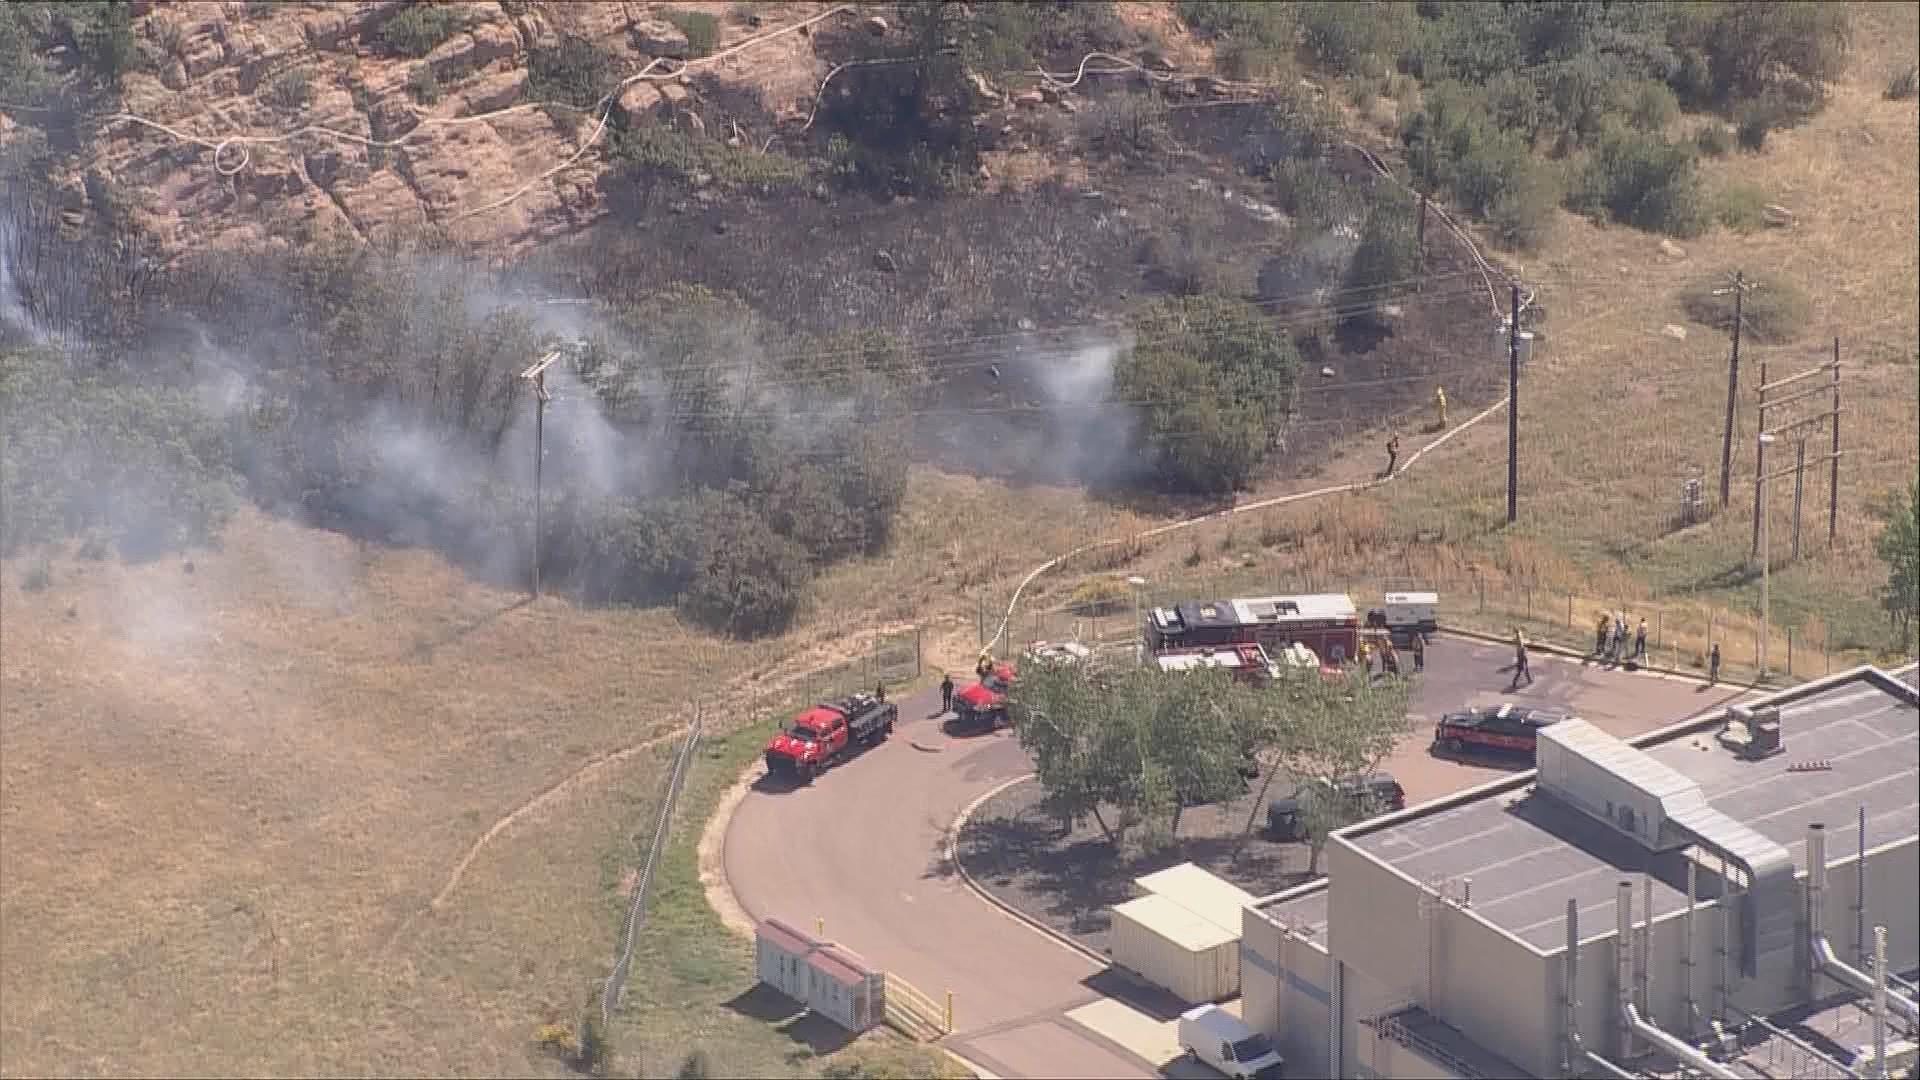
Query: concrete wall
[1493, 989]
[1374, 922]
[1891, 872]
[1372, 1057]
[1284, 992]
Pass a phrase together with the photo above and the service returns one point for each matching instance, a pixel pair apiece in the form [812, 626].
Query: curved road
[863, 848]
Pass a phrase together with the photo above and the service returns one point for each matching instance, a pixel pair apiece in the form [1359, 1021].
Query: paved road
[863, 849]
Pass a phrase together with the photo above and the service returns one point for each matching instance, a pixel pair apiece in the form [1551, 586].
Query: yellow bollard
[949, 1012]
[1440, 403]
[819, 926]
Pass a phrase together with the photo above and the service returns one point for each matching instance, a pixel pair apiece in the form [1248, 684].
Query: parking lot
[1026, 1006]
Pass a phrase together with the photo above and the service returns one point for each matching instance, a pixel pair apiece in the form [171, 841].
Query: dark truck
[1364, 797]
[828, 733]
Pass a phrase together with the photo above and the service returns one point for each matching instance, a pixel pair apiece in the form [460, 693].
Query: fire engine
[1327, 623]
[828, 733]
[983, 705]
[1247, 663]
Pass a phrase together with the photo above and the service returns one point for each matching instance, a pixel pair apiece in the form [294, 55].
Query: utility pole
[1759, 452]
[537, 375]
[1799, 469]
[1733, 389]
[1833, 491]
[1420, 245]
[1513, 409]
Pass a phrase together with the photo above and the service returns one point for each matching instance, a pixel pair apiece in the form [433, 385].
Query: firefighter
[1713, 665]
[1393, 453]
[880, 692]
[1419, 651]
[1440, 404]
[1640, 642]
[1600, 629]
[946, 692]
[1620, 637]
[984, 666]
[1520, 668]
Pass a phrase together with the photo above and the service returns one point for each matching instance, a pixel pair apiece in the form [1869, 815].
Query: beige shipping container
[1207, 895]
[1170, 946]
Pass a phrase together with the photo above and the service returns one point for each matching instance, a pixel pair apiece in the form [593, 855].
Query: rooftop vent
[1752, 733]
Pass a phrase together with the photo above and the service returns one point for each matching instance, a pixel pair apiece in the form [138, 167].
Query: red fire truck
[1247, 663]
[1327, 623]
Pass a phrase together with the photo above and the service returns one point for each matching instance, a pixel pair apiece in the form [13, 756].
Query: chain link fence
[637, 911]
[1681, 632]
[892, 660]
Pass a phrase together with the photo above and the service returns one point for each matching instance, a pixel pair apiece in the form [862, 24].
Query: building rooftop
[1527, 856]
[1303, 913]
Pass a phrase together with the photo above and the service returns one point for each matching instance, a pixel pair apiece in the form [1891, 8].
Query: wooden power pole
[1733, 390]
[1769, 400]
[537, 375]
[1513, 410]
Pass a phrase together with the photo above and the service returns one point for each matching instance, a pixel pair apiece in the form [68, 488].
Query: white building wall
[1284, 992]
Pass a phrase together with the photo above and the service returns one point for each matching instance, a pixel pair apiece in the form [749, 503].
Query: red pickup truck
[828, 733]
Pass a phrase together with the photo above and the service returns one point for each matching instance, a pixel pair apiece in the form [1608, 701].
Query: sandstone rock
[982, 89]
[659, 38]
[1051, 94]
[270, 179]
[323, 168]
[874, 25]
[325, 29]
[884, 262]
[638, 102]
[673, 96]
[487, 43]
[174, 75]
[1674, 331]
[203, 56]
[695, 124]
[493, 92]
[1028, 98]
[1672, 250]
[381, 203]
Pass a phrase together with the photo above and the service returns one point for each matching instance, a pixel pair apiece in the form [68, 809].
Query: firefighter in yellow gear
[1440, 404]
[984, 666]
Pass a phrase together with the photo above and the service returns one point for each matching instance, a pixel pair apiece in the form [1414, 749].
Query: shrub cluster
[421, 27]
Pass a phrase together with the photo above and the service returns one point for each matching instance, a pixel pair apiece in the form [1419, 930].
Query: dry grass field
[229, 796]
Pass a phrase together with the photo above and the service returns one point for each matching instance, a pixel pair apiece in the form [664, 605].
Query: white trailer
[1169, 946]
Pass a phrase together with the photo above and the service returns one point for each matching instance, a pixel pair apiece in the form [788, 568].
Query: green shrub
[1246, 60]
[1757, 121]
[1384, 262]
[750, 581]
[1774, 312]
[574, 72]
[290, 90]
[1099, 597]
[1741, 208]
[423, 84]
[1713, 140]
[1217, 375]
[1269, 25]
[1126, 124]
[1642, 180]
[1356, 38]
[701, 28]
[686, 155]
[421, 28]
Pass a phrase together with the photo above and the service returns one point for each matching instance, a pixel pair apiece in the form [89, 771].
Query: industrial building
[1745, 859]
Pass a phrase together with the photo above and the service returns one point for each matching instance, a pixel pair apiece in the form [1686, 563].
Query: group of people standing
[1610, 641]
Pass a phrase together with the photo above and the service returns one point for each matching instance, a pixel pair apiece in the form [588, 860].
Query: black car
[1508, 729]
[1365, 797]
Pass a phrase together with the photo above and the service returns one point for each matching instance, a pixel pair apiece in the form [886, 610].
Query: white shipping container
[1170, 946]
[780, 958]
[842, 988]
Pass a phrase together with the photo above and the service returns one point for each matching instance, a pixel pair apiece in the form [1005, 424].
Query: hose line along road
[863, 849]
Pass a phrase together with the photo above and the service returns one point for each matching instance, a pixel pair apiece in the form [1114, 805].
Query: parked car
[1365, 797]
[1211, 1034]
[1503, 729]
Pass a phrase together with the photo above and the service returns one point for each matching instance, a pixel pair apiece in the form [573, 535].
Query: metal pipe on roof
[1643, 942]
[1880, 1001]
[1821, 955]
[1622, 961]
[1692, 1014]
[1631, 1023]
[1570, 1047]
[1610, 1068]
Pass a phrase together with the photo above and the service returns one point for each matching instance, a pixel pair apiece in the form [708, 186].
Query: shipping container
[780, 958]
[1172, 947]
[842, 988]
[1207, 895]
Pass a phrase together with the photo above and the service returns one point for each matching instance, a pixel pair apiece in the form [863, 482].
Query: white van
[1215, 1036]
